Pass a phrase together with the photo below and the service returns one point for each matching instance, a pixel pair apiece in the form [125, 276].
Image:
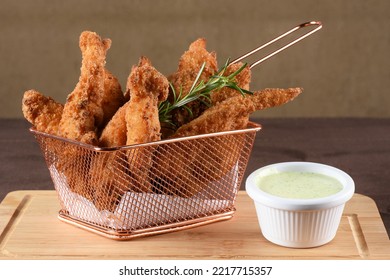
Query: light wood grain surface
[30, 229]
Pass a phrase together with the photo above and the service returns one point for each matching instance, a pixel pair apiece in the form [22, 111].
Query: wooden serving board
[30, 229]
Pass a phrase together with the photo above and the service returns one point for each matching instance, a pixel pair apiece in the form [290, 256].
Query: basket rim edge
[252, 127]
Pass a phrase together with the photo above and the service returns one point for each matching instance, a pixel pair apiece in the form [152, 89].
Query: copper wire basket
[147, 189]
[158, 187]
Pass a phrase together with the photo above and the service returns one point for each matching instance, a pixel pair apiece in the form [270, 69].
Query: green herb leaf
[199, 90]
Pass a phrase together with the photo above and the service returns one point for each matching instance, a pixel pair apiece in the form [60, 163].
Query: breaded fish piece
[71, 161]
[109, 179]
[147, 88]
[189, 65]
[177, 171]
[108, 171]
[243, 80]
[112, 99]
[136, 122]
[217, 159]
[83, 113]
[87, 109]
[43, 112]
[224, 115]
[114, 133]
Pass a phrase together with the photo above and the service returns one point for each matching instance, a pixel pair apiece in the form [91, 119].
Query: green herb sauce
[300, 185]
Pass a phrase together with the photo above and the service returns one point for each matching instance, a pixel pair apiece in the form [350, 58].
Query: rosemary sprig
[199, 90]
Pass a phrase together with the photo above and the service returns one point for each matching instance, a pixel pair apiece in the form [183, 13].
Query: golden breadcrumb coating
[224, 115]
[218, 159]
[115, 132]
[243, 80]
[83, 113]
[147, 87]
[112, 98]
[44, 113]
[136, 122]
[189, 65]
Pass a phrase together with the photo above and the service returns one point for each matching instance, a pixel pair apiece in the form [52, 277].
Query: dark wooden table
[359, 146]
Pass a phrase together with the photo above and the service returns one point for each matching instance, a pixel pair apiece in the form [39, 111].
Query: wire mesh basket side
[135, 188]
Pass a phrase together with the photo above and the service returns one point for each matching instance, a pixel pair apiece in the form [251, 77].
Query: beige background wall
[344, 68]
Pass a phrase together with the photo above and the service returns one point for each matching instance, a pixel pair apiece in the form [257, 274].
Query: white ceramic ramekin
[299, 223]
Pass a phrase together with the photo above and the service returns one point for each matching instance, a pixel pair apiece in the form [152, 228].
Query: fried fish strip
[112, 98]
[141, 128]
[216, 159]
[109, 178]
[243, 80]
[189, 65]
[114, 133]
[147, 88]
[135, 122]
[224, 115]
[82, 112]
[179, 171]
[108, 171]
[44, 113]
[109, 174]
[90, 105]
